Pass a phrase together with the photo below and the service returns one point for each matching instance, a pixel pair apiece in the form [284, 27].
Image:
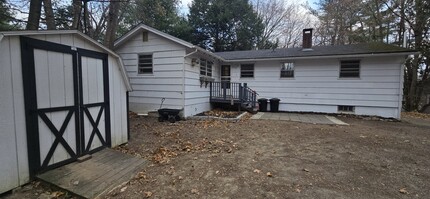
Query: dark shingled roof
[369, 48]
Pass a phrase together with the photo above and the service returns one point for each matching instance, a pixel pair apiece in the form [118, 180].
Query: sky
[183, 7]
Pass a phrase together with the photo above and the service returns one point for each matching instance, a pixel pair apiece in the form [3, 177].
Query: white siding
[9, 164]
[316, 86]
[118, 104]
[196, 95]
[167, 78]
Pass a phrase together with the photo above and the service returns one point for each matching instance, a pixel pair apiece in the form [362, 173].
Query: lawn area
[278, 159]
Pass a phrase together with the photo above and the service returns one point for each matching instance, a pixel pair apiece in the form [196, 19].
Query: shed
[63, 95]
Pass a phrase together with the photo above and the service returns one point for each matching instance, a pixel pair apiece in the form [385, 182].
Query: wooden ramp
[106, 170]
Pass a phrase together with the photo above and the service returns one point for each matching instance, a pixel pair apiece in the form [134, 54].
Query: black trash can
[274, 104]
[262, 103]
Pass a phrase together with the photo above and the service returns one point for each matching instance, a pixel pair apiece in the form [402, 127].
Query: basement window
[247, 70]
[348, 109]
[287, 69]
[349, 69]
[145, 64]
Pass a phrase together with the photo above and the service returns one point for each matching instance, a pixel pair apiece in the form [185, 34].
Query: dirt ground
[278, 159]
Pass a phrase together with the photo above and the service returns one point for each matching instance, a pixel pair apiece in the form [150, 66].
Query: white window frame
[206, 67]
[287, 67]
[143, 67]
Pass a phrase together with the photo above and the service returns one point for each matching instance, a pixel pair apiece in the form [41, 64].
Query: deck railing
[231, 92]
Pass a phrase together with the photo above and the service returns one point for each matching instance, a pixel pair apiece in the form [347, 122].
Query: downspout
[183, 79]
[1, 37]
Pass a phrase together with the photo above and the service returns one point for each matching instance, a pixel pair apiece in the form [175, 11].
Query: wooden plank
[56, 174]
[111, 179]
[85, 174]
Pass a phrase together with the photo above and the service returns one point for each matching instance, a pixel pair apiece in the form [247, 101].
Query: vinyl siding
[196, 95]
[166, 79]
[316, 86]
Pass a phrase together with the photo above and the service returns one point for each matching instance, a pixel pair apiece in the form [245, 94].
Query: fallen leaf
[57, 194]
[298, 190]
[257, 171]
[148, 194]
[306, 170]
[269, 174]
[403, 191]
[216, 172]
[123, 189]
[194, 191]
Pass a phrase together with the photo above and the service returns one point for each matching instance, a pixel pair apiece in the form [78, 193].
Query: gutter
[183, 78]
[319, 57]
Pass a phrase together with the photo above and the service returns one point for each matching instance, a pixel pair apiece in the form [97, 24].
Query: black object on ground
[274, 104]
[172, 115]
[262, 102]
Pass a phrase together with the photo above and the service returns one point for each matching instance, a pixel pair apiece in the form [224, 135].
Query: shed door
[66, 101]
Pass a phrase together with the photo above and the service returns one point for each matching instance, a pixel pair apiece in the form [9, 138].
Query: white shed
[63, 95]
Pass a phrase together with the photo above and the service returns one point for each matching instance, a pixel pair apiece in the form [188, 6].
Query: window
[145, 64]
[349, 69]
[345, 108]
[287, 69]
[206, 67]
[145, 36]
[247, 70]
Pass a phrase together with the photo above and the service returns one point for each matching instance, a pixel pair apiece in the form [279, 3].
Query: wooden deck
[106, 170]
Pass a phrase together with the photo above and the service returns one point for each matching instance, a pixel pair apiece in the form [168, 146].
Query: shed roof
[81, 35]
[316, 51]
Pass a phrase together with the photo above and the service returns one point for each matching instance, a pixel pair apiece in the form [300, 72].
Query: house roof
[142, 27]
[316, 51]
[80, 34]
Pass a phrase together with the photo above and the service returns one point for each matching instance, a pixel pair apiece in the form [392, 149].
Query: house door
[225, 76]
[66, 103]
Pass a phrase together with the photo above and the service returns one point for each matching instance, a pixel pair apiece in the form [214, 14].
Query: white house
[362, 79]
[63, 95]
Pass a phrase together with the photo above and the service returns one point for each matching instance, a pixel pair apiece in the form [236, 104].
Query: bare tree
[112, 24]
[77, 8]
[49, 15]
[34, 15]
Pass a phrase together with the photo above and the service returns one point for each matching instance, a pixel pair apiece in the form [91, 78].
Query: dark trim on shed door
[30, 102]
[104, 106]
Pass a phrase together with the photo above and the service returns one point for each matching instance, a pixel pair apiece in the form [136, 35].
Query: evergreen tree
[224, 25]
[161, 15]
[5, 16]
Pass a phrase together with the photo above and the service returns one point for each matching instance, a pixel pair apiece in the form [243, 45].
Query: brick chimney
[307, 38]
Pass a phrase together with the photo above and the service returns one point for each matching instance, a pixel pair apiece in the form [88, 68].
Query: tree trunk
[34, 15]
[112, 24]
[49, 15]
[77, 8]
[418, 28]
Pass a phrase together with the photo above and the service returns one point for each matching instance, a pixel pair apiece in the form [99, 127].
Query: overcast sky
[184, 4]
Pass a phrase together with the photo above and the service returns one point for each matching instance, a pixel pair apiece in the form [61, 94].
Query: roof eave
[135, 30]
[323, 56]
